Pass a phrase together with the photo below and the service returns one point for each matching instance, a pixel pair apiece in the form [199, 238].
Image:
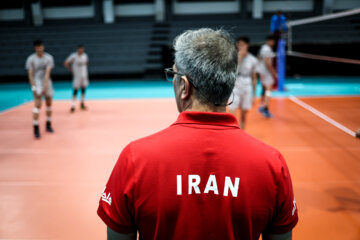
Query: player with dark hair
[244, 92]
[267, 73]
[77, 63]
[39, 65]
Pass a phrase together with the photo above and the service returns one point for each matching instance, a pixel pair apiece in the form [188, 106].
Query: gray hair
[209, 58]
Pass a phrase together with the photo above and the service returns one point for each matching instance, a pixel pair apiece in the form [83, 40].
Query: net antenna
[330, 16]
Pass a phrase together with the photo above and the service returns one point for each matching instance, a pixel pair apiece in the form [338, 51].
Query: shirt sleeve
[116, 206]
[50, 63]
[29, 64]
[70, 58]
[286, 213]
[267, 52]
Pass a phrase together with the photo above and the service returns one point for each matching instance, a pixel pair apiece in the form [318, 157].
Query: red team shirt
[201, 178]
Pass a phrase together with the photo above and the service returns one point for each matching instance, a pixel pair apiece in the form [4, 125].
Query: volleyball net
[324, 45]
[323, 34]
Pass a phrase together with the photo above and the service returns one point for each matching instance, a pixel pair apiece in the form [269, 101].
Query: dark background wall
[140, 47]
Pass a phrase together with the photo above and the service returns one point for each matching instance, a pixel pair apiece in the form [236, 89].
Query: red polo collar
[207, 118]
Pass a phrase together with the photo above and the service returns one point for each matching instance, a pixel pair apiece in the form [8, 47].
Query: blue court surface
[14, 94]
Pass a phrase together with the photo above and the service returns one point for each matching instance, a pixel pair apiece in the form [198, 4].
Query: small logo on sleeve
[106, 197]
[294, 208]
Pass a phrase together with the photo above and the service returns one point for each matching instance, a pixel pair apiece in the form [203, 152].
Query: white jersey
[246, 69]
[39, 65]
[242, 92]
[78, 65]
[265, 52]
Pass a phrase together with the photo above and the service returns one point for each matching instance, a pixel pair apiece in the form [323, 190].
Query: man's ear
[184, 88]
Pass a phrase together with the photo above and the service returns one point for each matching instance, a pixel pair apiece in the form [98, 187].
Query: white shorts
[80, 82]
[267, 80]
[241, 97]
[39, 85]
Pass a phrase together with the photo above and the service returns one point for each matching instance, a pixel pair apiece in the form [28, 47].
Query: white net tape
[331, 16]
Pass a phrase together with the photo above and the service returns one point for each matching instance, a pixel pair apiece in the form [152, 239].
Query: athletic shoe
[72, 109]
[36, 131]
[82, 106]
[48, 127]
[261, 110]
[267, 114]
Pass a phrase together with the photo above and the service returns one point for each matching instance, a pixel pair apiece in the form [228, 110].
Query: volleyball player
[267, 73]
[77, 63]
[245, 84]
[39, 65]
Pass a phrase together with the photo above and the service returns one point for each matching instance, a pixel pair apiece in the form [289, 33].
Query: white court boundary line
[321, 115]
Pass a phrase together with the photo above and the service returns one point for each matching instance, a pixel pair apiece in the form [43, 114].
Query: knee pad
[36, 110]
[83, 90]
[268, 93]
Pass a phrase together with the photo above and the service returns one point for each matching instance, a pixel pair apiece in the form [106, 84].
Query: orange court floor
[50, 188]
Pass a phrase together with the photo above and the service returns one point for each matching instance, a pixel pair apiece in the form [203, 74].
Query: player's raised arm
[254, 83]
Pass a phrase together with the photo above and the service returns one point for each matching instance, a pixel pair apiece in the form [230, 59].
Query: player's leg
[82, 105]
[84, 84]
[243, 118]
[266, 111]
[246, 104]
[235, 103]
[48, 100]
[233, 111]
[36, 110]
[262, 99]
[75, 91]
[76, 86]
[259, 76]
[267, 81]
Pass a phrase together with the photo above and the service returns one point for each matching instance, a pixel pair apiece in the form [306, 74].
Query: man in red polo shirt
[202, 177]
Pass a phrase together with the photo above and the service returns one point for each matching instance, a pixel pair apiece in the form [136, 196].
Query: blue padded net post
[281, 63]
